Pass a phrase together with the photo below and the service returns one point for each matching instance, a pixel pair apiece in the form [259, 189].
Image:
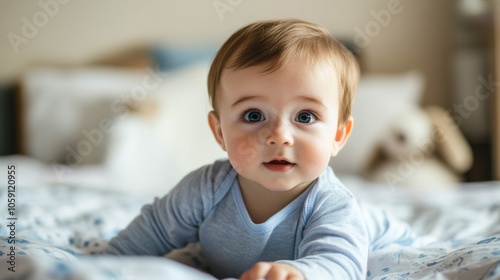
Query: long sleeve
[170, 222]
[334, 243]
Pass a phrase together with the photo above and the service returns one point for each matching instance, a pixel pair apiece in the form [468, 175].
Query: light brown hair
[274, 43]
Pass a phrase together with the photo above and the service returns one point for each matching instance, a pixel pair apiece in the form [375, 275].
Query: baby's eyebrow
[243, 99]
[313, 100]
[304, 98]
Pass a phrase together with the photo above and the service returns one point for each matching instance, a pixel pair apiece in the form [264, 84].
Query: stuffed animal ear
[451, 145]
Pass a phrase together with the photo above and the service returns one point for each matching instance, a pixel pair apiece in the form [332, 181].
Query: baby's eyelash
[242, 115]
[252, 116]
[316, 116]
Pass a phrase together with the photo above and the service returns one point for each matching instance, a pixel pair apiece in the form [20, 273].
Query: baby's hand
[272, 271]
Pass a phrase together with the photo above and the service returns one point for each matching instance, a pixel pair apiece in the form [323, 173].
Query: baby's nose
[280, 134]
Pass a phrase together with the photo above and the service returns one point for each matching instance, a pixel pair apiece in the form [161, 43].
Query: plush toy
[422, 149]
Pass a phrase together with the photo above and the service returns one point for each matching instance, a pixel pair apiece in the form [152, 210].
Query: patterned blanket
[57, 231]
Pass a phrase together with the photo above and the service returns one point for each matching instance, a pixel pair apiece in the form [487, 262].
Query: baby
[281, 93]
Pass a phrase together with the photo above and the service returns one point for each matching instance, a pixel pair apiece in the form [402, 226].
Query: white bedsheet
[458, 231]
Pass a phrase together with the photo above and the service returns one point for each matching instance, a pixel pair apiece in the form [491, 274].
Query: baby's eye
[305, 117]
[253, 116]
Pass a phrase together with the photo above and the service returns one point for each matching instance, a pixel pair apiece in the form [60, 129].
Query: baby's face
[281, 128]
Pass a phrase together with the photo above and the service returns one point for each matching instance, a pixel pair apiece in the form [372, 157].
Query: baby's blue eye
[253, 116]
[305, 117]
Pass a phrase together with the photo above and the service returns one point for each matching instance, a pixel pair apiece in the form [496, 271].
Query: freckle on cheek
[244, 156]
[243, 153]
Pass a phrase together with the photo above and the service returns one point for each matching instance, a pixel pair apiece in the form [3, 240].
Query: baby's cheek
[317, 155]
[243, 152]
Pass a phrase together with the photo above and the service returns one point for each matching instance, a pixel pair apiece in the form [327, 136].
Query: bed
[61, 228]
[88, 169]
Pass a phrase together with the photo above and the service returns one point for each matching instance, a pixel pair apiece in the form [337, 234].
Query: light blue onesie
[322, 232]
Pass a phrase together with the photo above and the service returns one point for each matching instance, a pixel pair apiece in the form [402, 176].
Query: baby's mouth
[284, 162]
[279, 165]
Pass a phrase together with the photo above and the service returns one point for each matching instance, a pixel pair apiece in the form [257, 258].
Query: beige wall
[418, 34]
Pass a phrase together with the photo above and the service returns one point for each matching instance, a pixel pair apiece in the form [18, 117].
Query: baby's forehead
[311, 81]
[314, 66]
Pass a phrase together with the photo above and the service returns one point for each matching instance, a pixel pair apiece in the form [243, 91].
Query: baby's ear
[343, 132]
[213, 121]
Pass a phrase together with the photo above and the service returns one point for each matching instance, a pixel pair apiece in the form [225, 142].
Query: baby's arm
[168, 223]
[335, 242]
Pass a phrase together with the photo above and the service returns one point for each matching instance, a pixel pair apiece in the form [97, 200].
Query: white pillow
[379, 98]
[62, 107]
[150, 154]
[145, 154]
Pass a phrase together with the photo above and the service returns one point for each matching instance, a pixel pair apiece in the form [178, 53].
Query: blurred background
[70, 68]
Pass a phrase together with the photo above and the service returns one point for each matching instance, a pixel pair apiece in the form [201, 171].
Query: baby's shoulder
[329, 187]
[209, 179]
[328, 195]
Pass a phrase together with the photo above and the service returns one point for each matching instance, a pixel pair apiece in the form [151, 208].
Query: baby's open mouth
[279, 165]
[279, 162]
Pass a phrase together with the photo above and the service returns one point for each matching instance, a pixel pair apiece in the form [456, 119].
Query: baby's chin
[285, 185]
